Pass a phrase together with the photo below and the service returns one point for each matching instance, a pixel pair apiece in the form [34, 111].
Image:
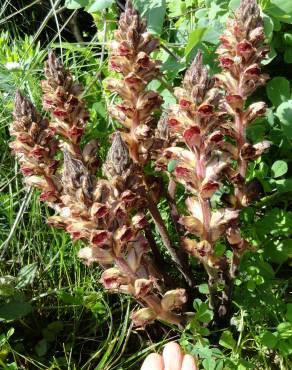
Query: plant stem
[167, 242]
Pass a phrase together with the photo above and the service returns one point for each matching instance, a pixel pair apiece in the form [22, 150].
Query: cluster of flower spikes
[195, 121]
[201, 121]
[35, 147]
[240, 52]
[105, 214]
[130, 56]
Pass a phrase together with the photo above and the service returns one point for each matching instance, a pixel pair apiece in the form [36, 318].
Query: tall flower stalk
[240, 52]
[209, 110]
[130, 57]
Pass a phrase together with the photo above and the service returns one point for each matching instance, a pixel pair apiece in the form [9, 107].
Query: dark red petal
[60, 113]
[182, 171]
[244, 46]
[191, 133]
[184, 103]
[226, 62]
[99, 238]
[173, 122]
[206, 109]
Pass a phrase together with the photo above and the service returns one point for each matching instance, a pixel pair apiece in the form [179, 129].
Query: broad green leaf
[278, 90]
[99, 5]
[278, 251]
[203, 314]
[280, 9]
[154, 12]
[227, 341]
[14, 309]
[209, 363]
[284, 113]
[194, 38]
[76, 4]
[268, 26]
[268, 339]
[279, 168]
[204, 289]
[284, 5]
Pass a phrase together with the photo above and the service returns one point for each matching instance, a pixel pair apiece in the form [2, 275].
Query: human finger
[153, 362]
[189, 363]
[172, 356]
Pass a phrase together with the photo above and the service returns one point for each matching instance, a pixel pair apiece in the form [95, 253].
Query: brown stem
[173, 208]
[154, 248]
[167, 242]
[240, 142]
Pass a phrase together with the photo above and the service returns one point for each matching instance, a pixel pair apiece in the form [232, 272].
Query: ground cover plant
[168, 170]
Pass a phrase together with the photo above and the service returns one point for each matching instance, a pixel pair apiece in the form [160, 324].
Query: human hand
[172, 359]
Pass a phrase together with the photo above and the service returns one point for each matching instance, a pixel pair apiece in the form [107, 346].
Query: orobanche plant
[200, 143]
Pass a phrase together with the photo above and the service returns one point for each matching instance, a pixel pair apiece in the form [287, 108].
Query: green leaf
[41, 347]
[278, 90]
[289, 312]
[268, 26]
[76, 4]
[168, 98]
[99, 5]
[204, 289]
[284, 113]
[26, 275]
[203, 314]
[227, 341]
[284, 5]
[154, 12]
[176, 7]
[268, 339]
[278, 251]
[280, 9]
[69, 299]
[288, 55]
[279, 168]
[285, 330]
[209, 363]
[288, 38]
[284, 185]
[233, 4]
[194, 38]
[14, 309]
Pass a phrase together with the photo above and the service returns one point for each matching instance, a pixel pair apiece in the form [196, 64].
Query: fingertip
[172, 356]
[189, 363]
[153, 362]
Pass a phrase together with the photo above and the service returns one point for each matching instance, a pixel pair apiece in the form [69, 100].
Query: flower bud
[174, 299]
[143, 317]
[112, 278]
[142, 287]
